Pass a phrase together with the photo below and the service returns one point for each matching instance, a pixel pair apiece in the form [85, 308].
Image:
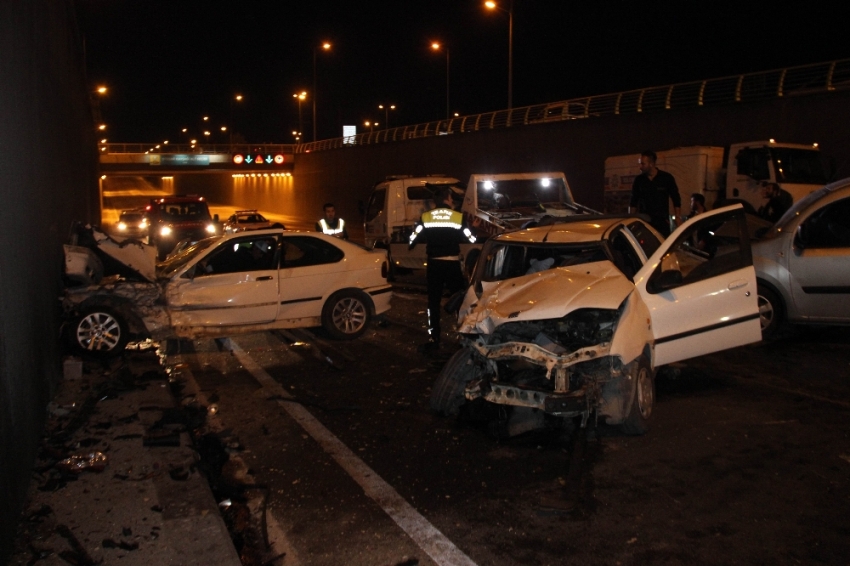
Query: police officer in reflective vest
[330, 224]
[442, 230]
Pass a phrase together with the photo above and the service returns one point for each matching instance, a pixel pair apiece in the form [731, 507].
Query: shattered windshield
[175, 263]
[509, 193]
[508, 260]
[798, 165]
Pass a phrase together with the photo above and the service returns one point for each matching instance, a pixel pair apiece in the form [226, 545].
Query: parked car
[228, 285]
[132, 224]
[176, 218]
[573, 319]
[243, 220]
[803, 262]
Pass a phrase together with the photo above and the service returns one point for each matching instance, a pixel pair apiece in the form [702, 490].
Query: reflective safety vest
[442, 218]
[332, 231]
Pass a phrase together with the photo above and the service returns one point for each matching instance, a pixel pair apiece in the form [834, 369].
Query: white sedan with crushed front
[226, 285]
[573, 319]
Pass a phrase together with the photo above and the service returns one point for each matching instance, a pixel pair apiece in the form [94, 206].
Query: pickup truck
[492, 204]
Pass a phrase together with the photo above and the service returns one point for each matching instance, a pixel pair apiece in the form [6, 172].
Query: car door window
[714, 246]
[236, 256]
[647, 240]
[625, 257]
[829, 227]
[301, 251]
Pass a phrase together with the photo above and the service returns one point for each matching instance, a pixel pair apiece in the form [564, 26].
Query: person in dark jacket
[652, 190]
[442, 230]
[778, 202]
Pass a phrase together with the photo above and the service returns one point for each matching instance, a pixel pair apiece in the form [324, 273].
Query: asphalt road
[747, 461]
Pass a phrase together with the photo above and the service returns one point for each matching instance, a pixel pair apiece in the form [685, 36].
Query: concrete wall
[48, 176]
[577, 147]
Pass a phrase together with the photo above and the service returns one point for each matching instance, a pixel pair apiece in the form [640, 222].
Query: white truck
[723, 175]
[491, 203]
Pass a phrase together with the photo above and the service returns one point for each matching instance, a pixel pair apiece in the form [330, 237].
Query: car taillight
[385, 270]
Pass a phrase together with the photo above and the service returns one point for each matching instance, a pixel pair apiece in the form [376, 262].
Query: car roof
[252, 211]
[578, 229]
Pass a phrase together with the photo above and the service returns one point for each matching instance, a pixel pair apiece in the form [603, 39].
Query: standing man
[443, 231]
[778, 201]
[651, 191]
[330, 224]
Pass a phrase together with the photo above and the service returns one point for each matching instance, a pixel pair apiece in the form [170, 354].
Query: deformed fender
[634, 330]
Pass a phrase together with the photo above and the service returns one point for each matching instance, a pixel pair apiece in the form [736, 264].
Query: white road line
[430, 540]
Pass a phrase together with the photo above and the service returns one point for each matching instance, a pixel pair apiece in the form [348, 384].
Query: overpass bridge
[804, 104]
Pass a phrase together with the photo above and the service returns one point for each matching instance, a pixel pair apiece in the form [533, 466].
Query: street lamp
[510, 11]
[436, 46]
[236, 98]
[371, 125]
[300, 98]
[325, 46]
[386, 108]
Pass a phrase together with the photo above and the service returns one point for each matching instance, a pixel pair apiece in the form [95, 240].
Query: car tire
[643, 400]
[447, 394]
[346, 314]
[100, 331]
[770, 312]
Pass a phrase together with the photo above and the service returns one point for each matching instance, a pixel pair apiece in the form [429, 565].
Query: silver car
[803, 262]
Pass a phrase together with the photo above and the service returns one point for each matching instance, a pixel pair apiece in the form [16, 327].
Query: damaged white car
[573, 319]
[220, 286]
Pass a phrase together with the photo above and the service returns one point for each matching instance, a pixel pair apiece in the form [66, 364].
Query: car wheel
[447, 394]
[346, 314]
[100, 331]
[643, 400]
[770, 311]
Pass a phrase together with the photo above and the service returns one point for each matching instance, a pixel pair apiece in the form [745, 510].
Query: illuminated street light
[436, 46]
[102, 127]
[326, 47]
[206, 118]
[510, 11]
[224, 128]
[386, 108]
[101, 90]
[300, 97]
[193, 142]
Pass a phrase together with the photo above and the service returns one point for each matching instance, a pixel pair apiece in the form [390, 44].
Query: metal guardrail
[226, 148]
[791, 81]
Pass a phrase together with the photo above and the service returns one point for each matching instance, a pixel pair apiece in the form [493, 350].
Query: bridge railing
[790, 81]
[266, 148]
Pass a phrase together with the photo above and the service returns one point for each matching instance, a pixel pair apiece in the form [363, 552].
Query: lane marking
[424, 534]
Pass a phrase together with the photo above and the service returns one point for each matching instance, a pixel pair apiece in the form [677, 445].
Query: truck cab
[796, 168]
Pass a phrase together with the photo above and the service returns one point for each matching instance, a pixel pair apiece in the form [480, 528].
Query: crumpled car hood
[553, 293]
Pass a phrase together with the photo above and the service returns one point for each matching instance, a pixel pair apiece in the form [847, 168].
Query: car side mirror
[664, 280]
[215, 218]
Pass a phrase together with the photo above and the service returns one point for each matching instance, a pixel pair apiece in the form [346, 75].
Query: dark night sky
[169, 62]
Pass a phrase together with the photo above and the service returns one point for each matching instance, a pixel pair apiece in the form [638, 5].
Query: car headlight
[165, 231]
[122, 226]
[143, 224]
[210, 228]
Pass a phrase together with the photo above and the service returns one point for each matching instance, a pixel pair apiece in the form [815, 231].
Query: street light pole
[386, 108]
[326, 46]
[510, 11]
[436, 47]
[299, 98]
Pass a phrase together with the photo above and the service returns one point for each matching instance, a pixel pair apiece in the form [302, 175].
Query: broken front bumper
[561, 400]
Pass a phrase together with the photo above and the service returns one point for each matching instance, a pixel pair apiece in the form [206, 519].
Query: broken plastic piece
[78, 463]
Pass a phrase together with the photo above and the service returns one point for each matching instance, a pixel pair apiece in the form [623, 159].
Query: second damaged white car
[573, 319]
[221, 286]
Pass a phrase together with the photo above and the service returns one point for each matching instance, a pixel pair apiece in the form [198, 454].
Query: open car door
[700, 288]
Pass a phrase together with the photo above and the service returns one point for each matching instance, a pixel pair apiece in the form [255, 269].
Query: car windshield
[798, 165]
[175, 263]
[131, 216]
[250, 218]
[509, 193]
[508, 260]
[184, 210]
